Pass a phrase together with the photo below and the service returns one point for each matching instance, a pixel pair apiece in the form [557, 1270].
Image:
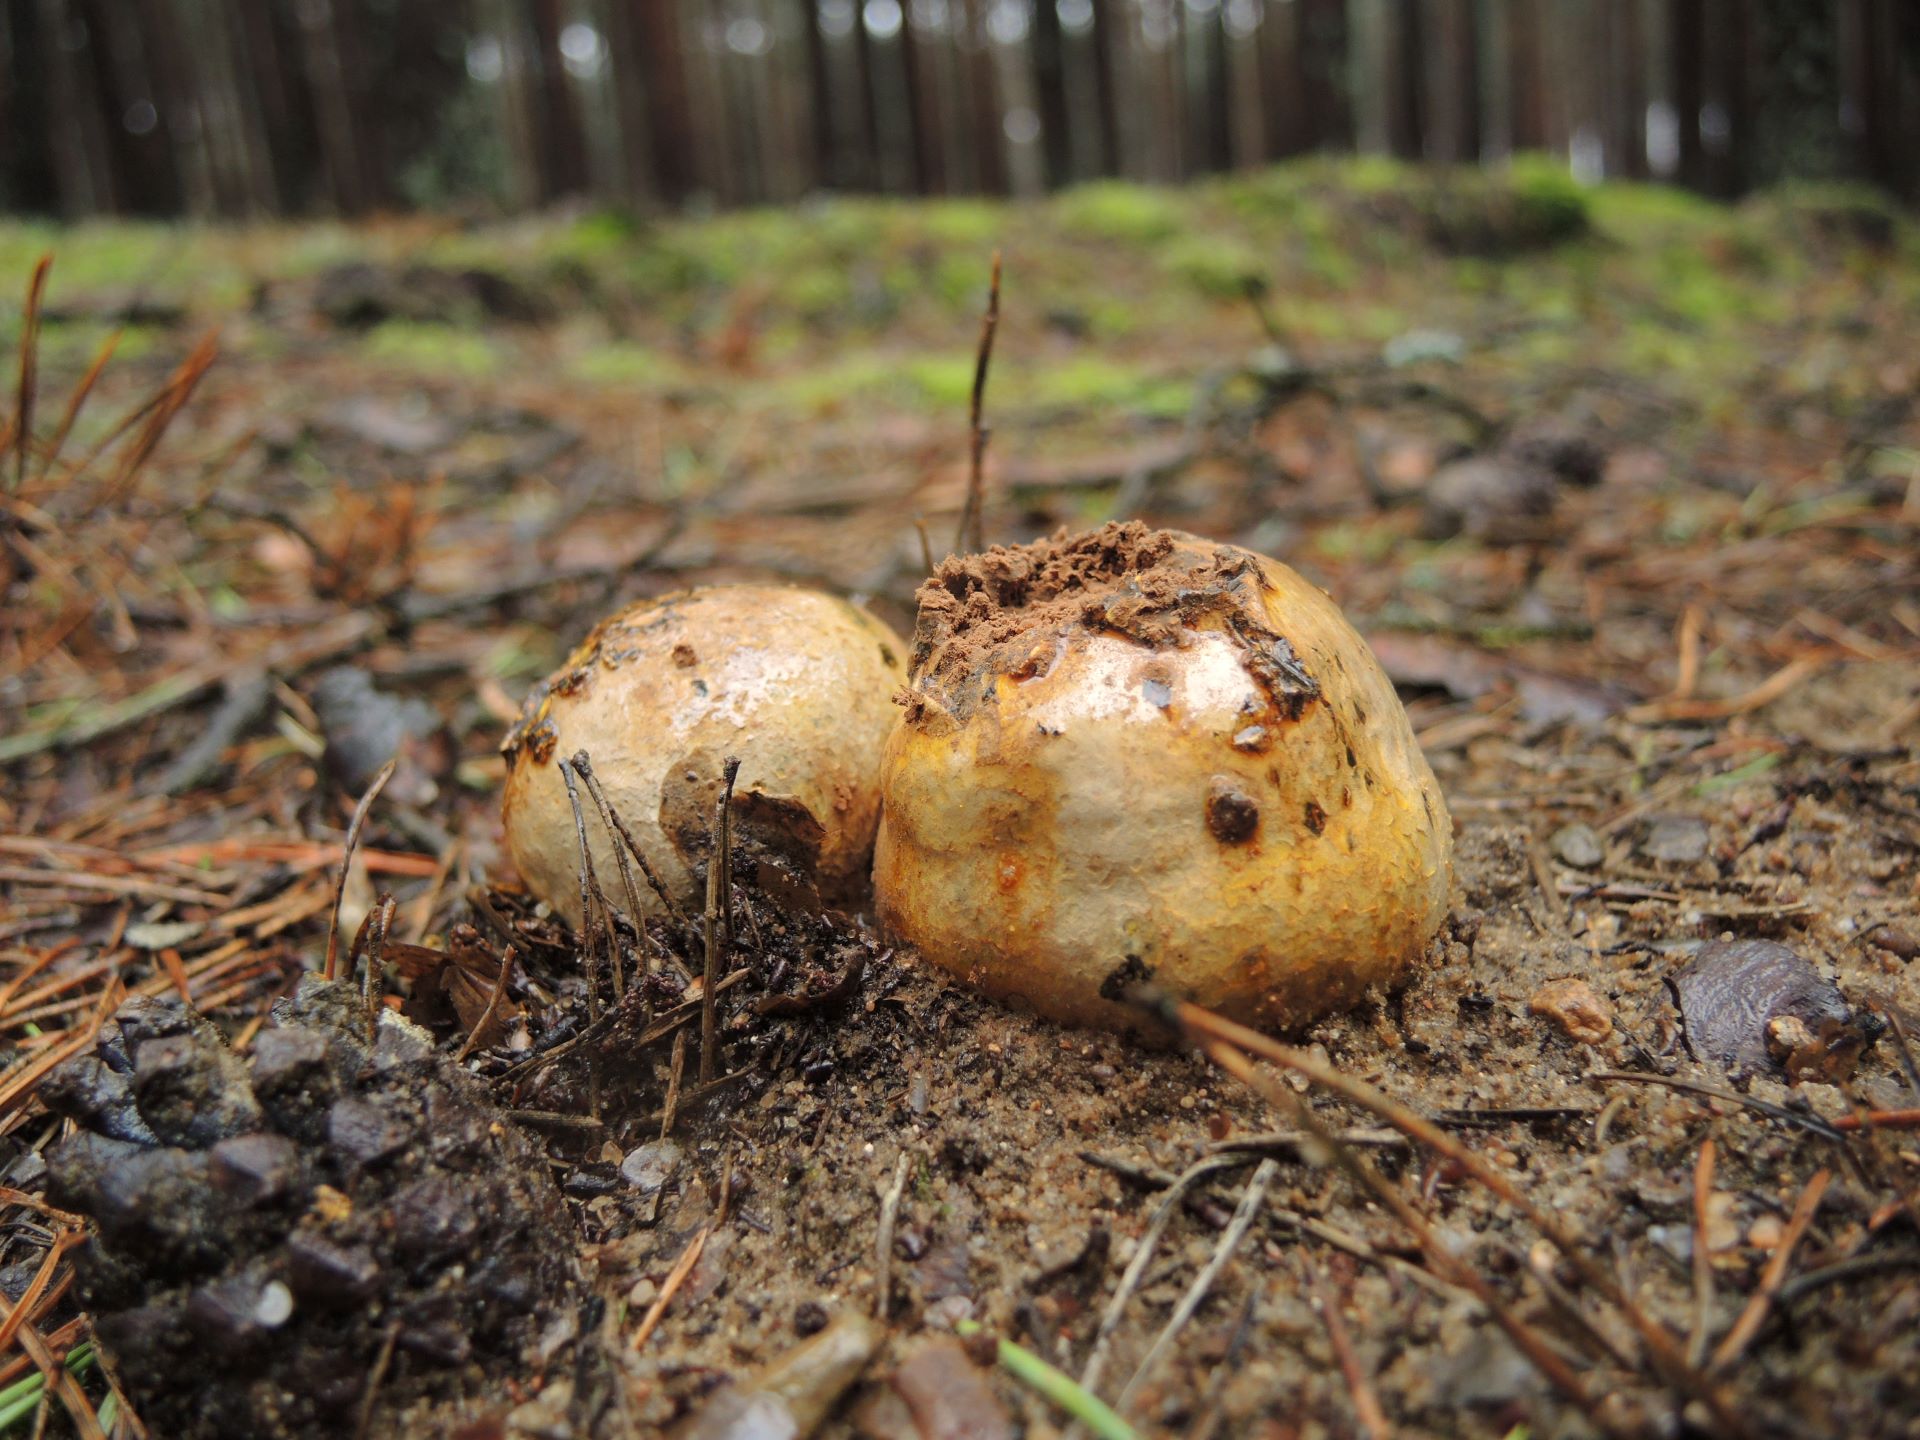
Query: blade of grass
[1058, 1389]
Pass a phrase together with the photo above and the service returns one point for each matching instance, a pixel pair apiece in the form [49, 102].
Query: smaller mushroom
[796, 684]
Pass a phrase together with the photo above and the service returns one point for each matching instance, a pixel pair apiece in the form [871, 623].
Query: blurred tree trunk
[1212, 120]
[1728, 22]
[1325, 44]
[1283, 85]
[82, 169]
[1050, 92]
[988, 124]
[1527, 54]
[1627, 88]
[1686, 50]
[923, 109]
[1107, 15]
[1451, 84]
[561, 146]
[637, 185]
[868, 169]
[664, 86]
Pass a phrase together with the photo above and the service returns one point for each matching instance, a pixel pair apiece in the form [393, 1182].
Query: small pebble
[1676, 839]
[1765, 1233]
[651, 1165]
[1894, 940]
[1578, 846]
[1573, 1006]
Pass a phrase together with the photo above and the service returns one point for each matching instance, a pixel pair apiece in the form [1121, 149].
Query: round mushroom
[1138, 755]
[797, 684]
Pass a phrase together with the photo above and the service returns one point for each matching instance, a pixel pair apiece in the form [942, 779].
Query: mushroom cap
[796, 683]
[1138, 755]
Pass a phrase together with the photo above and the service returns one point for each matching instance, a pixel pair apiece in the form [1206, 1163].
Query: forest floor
[1657, 634]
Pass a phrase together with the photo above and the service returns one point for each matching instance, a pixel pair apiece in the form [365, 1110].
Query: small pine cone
[264, 1222]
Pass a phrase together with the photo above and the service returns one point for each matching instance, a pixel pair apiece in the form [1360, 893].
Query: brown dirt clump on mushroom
[1003, 611]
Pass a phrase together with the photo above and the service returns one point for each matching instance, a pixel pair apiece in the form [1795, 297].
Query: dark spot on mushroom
[1231, 814]
[1353, 762]
[887, 657]
[1316, 817]
[540, 740]
[1124, 976]
[1360, 713]
[700, 688]
[1158, 693]
[684, 657]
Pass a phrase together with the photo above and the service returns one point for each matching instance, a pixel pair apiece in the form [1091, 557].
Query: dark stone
[192, 1091]
[255, 1169]
[364, 1133]
[331, 1274]
[90, 1091]
[1676, 839]
[1731, 992]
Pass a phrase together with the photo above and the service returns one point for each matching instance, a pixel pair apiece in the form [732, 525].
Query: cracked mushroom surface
[796, 683]
[1134, 755]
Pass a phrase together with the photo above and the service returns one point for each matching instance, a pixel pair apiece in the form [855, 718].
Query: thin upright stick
[584, 767]
[346, 859]
[493, 1004]
[29, 362]
[719, 910]
[971, 537]
[589, 888]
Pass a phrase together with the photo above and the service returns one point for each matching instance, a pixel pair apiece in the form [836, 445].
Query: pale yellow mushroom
[1137, 755]
[797, 684]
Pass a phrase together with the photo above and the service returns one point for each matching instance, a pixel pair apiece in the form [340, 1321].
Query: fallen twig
[1736, 1340]
[376, 1377]
[883, 1241]
[676, 1277]
[346, 859]
[1661, 1346]
[719, 918]
[1825, 1129]
[1702, 1255]
[1243, 1217]
[1143, 1256]
[1366, 1403]
[493, 1004]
